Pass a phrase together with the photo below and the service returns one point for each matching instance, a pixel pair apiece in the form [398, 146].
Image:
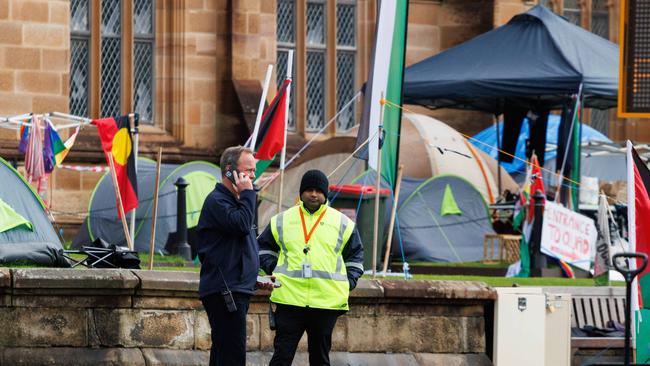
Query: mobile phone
[230, 174]
[265, 279]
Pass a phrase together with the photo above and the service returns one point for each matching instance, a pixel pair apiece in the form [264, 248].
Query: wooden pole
[391, 225]
[154, 216]
[375, 238]
[120, 206]
[283, 155]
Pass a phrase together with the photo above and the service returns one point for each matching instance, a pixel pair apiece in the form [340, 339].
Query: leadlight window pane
[282, 57]
[79, 10]
[572, 11]
[600, 18]
[316, 23]
[345, 70]
[79, 77]
[315, 90]
[111, 58]
[111, 18]
[285, 26]
[143, 80]
[143, 16]
[345, 25]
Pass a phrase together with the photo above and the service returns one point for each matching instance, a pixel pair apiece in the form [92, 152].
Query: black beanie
[314, 179]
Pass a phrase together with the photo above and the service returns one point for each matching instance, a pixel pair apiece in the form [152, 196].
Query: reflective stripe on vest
[315, 274]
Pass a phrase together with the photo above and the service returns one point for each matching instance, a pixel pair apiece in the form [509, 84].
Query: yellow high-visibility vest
[327, 287]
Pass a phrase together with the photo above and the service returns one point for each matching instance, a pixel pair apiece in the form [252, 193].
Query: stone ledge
[177, 284]
[65, 278]
[159, 357]
[470, 359]
[167, 357]
[457, 290]
[368, 289]
[168, 280]
[5, 288]
[5, 279]
[66, 356]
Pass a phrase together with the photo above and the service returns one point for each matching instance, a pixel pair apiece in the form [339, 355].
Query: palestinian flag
[270, 138]
[638, 213]
[525, 212]
[385, 78]
[115, 134]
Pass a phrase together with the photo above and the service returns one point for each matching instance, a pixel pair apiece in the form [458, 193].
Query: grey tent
[443, 220]
[102, 221]
[423, 232]
[607, 162]
[34, 240]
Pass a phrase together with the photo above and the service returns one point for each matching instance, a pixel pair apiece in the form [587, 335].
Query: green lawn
[509, 281]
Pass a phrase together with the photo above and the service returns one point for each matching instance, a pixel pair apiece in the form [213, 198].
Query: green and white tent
[26, 233]
[102, 221]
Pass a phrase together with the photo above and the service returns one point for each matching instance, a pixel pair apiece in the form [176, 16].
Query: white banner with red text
[568, 236]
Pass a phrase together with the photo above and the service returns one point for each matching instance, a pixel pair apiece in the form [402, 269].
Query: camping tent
[292, 176]
[536, 60]
[443, 220]
[429, 147]
[427, 227]
[486, 141]
[102, 221]
[26, 233]
[607, 162]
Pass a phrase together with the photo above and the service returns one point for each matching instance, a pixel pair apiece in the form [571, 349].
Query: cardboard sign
[568, 236]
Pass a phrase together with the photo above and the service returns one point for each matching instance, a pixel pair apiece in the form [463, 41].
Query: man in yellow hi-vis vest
[315, 252]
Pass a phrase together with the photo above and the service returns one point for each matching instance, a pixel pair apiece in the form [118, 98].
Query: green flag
[385, 81]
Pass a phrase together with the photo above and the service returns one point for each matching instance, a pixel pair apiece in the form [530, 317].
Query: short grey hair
[231, 156]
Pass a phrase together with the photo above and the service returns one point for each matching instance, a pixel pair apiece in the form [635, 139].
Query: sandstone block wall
[151, 317]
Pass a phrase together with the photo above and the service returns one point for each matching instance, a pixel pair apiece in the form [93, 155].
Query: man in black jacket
[228, 252]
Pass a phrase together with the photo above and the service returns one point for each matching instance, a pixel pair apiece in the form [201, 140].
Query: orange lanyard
[304, 228]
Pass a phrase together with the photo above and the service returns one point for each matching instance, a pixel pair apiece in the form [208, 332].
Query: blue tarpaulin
[536, 61]
[489, 137]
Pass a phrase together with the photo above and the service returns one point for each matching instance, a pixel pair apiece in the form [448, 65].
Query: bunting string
[394, 105]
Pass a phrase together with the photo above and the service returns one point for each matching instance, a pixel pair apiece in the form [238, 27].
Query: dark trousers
[228, 330]
[291, 322]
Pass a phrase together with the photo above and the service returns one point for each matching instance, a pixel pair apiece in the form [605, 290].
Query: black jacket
[352, 253]
[227, 241]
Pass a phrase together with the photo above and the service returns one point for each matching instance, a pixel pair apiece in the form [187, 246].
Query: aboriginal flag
[115, 135]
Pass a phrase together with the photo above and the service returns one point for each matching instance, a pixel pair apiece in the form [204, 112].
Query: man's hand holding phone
[267, 282]
[241, 181]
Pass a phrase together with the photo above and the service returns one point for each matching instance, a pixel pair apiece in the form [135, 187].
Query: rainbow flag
[568, 271]
[58, 149]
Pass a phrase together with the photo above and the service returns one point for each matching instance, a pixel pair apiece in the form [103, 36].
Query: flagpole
[120, 206]
[133, 122]
[560, 174]
[391, 224]
[152, 245]
[631, 230]
[260, 109]
[283, 155]
[375, 238]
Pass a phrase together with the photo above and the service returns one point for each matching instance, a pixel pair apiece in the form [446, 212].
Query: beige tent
[327, 163]
[428, 147]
